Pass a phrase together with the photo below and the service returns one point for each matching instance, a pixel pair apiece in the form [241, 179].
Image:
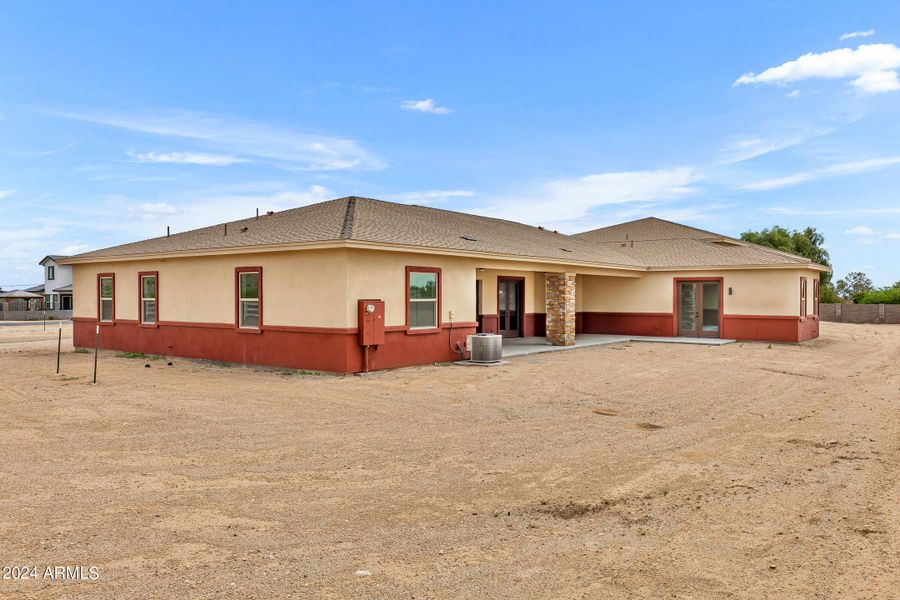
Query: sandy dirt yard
[632, 471]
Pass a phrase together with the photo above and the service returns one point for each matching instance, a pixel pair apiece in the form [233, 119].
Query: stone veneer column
[560, 290]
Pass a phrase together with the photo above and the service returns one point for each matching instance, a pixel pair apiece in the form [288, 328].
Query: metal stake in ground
[96, 351]
[58, 349]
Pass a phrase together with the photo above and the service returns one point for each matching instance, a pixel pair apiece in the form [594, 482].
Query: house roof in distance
[639, 245]
[657, 243]
[53, 257]
[20, 294]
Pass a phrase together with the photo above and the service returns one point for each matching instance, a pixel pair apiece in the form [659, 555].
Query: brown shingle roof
[657, 243]
[377, 221]
[641, 244]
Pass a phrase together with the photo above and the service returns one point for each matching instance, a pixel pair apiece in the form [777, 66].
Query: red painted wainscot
[618, 323]
[770, 328]
[762, 328]
[314, 348]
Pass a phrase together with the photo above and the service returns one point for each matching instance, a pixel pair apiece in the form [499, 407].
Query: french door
[510, 305]
[699, 308]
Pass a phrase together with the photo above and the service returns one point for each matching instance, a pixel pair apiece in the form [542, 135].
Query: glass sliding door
[687, 309]
[709, 327]
[509, 306]
[699, 308]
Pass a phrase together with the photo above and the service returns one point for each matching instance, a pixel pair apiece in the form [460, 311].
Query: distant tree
[853, 286]
[828, 295]
[808, 243]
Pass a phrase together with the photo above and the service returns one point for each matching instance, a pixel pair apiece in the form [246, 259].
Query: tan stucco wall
[299, 288]
[319, 288]
[533, 293]
[755, 292]
[372, 274]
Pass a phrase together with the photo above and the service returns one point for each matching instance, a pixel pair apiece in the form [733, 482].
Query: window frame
[100, 278]
[437, 327]
[803, 298]
[816, 297]
[51, 272]
[141, 275]
[237, 299]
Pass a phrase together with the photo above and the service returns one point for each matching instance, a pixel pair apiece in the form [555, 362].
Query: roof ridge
[349, 215]
[467, 214]
[652, 218]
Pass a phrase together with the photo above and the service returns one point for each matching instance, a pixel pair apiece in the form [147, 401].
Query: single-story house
[285, 289]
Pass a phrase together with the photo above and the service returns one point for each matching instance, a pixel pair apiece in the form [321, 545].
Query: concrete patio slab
[534, 345]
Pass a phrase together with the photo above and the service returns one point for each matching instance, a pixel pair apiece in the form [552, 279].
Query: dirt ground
[631, 471]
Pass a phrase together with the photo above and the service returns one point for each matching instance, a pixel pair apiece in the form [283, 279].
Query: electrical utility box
[371, 322]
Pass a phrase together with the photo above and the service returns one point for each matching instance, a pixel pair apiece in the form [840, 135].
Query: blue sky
[119, 119]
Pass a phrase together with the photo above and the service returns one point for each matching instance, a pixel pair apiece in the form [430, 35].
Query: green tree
[808, 243]
[886, 295]
[854, 286]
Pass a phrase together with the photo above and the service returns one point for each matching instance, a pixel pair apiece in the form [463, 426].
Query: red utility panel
[371, 322]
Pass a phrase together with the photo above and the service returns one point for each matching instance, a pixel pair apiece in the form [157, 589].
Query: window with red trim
[148, 291]
[816, 297]
[423, 298]
[249, 298]
[106, 297]
[802, 297]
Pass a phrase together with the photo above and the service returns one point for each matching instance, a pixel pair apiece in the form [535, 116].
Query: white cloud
[743, 147]
[189, 158]
[433, 195]
[73, 249]
[246, 139]
[566, 202]
[893, 235]
[793, 94]
[837, 213]
[850, 168]
[877, 81]
[872, 66]
[857, 34]
[861, 230]
[217, 206]
[426, 106]
[151, 210]
[6, 193]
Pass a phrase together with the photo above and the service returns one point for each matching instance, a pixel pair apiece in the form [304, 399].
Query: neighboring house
[283, 289]
[20, 300]
[57, 288]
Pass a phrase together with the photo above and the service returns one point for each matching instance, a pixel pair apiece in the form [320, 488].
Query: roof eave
[740, 267]
[333, 244]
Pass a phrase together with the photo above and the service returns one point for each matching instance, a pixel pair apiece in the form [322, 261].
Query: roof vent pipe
[226, 228]
[257, 214]
[168, 231]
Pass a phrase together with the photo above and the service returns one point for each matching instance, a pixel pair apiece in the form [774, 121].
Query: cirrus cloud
[236, 137]
[189, 158]
[857, 34]
[568, 203]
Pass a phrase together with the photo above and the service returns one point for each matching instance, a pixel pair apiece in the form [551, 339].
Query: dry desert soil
[631, 471]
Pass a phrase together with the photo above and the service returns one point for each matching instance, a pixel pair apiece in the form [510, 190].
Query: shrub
[884, 296]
